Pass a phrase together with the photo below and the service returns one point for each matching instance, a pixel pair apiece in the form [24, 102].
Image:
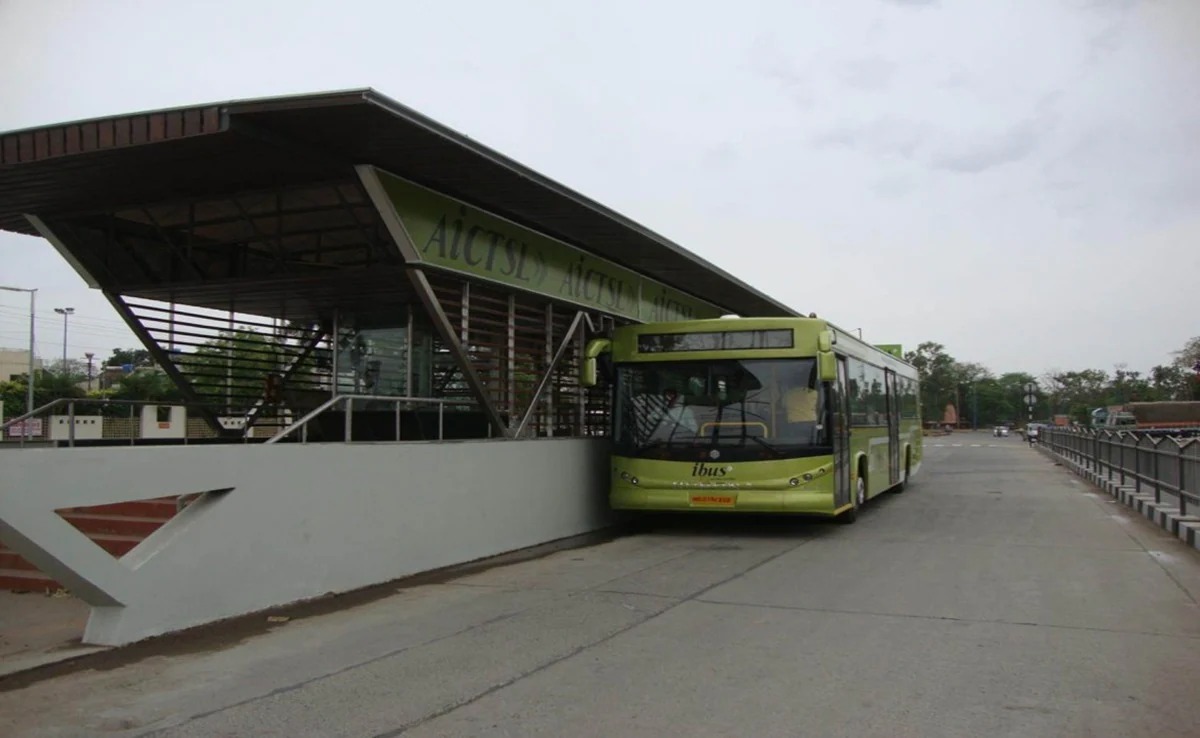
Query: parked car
[1000, 431]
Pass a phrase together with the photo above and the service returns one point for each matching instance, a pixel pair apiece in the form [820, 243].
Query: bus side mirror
[595, 348]
[827, 366]
[825, 341]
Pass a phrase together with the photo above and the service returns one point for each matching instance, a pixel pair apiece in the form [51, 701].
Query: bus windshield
[731, 409]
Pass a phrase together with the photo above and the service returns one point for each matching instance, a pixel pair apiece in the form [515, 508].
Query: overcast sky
[1015, 179]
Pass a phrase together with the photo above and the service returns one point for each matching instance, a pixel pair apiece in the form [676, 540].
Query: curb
[1163, 514]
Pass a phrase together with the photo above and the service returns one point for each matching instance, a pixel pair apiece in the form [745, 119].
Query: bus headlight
[807, 477]
[625, 476]
[633, 481]
[794, 482]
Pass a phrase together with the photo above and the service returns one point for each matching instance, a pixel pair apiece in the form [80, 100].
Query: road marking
[957, 445]
[976, 445]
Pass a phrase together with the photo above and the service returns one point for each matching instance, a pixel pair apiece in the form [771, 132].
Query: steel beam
[305, 351]
[163, 359]
[548, 375]
[179, 253]
[378, 197]
[444, 327]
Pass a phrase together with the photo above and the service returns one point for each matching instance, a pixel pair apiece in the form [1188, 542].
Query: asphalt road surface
[998, 596]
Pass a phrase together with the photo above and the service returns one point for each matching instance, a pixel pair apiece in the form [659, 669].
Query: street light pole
[66, 313]
[30, 380]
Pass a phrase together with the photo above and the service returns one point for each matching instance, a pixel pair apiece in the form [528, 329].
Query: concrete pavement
[999, 596]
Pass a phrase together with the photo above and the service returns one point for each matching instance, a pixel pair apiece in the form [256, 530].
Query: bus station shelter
[342, 243]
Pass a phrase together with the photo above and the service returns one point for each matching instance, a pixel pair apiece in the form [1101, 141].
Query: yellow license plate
[713, 500]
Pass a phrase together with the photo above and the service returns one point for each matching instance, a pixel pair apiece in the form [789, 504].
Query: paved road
[999, 596]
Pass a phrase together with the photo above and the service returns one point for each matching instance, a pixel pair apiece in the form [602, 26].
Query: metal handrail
[300, 425]
[72, 402]
[349, 400]
[36, 411]
[95, 401]
[1185, 475]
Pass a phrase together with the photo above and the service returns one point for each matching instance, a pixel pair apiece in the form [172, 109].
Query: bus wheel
[904, 480]
[860, 498]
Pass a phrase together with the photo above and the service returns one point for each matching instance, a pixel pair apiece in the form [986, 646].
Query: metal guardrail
[73, 404]
[1165, 465]
[301, 425]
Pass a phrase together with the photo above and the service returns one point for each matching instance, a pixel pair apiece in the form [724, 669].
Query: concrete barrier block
[1188, 533]
[1144, 504]
[1174, 520]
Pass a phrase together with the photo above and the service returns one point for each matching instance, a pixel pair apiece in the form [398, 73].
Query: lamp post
[89, 355]
[66, 313]
[30, 380]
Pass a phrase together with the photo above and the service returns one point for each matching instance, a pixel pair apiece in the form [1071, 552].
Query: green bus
[763, 415]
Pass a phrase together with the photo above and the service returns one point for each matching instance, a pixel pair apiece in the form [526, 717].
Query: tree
[1188, 360]
[147, 385]
[1171, 382]
[1188, 357]
[231, 370]
[1077, 393]
[129, 357]
[48, 387]
[938, 376]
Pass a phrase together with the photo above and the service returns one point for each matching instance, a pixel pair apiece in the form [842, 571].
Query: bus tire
[860, 498]
[903, 485]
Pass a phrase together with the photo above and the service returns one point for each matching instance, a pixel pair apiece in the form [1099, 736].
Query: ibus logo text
[700, 469]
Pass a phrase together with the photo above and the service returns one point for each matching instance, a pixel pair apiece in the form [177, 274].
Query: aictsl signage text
[457, 237]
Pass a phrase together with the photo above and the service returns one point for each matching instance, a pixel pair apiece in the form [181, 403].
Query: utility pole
[29, 382]
[66, 313]
[89, 356]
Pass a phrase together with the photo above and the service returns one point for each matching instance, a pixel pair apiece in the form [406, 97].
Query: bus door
[839, 413]
[893, 424]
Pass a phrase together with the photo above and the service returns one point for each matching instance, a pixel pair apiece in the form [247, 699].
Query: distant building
[14, 364]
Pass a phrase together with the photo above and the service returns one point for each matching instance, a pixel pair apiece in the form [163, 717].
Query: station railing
[347, 402]
[119, 422]
[62, 422]
[1165, 465]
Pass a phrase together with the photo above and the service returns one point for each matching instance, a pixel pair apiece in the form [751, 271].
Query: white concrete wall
[176, 427]
[299, 522]
[87, 427]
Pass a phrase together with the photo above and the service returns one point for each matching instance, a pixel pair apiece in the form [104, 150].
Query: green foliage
[971, 388]
[126, 356]
[235, 364]
[49, 387]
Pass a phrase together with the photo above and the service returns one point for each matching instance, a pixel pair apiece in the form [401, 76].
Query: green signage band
[457, 237]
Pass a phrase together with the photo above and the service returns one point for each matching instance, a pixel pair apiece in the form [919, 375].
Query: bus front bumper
[748, 500]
